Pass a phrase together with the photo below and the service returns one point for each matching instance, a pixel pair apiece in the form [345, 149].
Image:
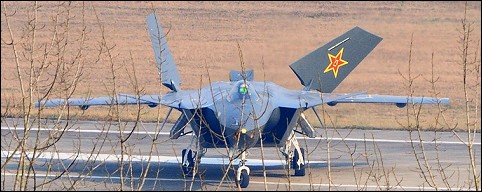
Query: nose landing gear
[242, 174]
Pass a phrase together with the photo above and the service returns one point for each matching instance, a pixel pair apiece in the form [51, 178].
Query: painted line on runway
[316, 138]
[364, 187]
[144, 158]
[386, 140]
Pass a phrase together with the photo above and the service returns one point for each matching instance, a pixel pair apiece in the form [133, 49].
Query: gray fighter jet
[242, 113]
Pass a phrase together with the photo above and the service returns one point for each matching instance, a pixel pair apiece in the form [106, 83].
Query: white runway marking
[206, 160]
[364, 187]
[316, 138]
[145, 158]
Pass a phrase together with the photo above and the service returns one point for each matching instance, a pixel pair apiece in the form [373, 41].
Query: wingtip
[444, 101]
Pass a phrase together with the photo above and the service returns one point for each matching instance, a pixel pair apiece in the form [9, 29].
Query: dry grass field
[203, 38]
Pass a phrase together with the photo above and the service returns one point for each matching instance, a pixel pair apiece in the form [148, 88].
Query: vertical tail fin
[326, 67]
[165, 62]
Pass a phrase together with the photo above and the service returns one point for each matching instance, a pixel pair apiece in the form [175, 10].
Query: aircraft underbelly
[210, 135]
[279, 126]
[214, 134]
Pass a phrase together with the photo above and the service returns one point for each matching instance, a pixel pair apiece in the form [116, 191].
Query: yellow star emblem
[335, 62]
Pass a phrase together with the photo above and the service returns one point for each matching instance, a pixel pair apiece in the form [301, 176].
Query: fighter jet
[241, 113]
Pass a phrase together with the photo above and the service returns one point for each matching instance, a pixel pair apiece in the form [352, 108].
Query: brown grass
[278, 33]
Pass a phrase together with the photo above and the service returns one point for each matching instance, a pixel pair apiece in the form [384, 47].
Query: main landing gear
[190, 158]
[295, 158]
[298, 163]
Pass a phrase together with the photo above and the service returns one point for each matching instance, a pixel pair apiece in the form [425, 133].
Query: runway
[87, 156]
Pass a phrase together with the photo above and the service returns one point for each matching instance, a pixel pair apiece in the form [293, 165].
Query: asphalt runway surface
[343, 159]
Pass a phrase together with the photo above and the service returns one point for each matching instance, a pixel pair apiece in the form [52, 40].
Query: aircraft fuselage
[240, 112]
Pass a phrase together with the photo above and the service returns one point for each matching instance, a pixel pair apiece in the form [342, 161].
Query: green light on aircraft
[243, 89]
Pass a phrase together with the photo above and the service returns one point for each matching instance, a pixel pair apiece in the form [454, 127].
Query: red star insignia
[335, 62]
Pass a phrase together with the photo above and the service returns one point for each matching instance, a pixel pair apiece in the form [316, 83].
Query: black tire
[244, 182]
[187, 169]
[294, 160]
[299, 171]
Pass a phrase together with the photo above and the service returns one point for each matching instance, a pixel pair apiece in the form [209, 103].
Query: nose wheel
[242, 178]
[242, 174]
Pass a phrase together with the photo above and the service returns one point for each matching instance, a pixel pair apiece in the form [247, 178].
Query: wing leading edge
[399, 101]
[182, 99]
[85, 103]
[308, 99]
